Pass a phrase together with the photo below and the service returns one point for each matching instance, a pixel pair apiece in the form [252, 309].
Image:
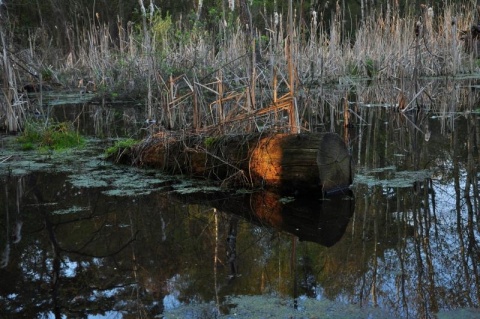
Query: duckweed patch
[128, 192]
[73, 160]
[286, 200]
[191, 186]
[71, 210]
[22, 167]
[120, 181]
[133, 183]
[87, 180]
[389, 177]
[277, 307]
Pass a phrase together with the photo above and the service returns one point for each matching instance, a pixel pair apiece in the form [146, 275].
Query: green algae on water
[191, 186]
[71, 210]
[389, 177]
[88, 180]
[246, 307]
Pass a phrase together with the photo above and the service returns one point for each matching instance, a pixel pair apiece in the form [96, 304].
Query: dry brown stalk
[11, 105]
[244, 86]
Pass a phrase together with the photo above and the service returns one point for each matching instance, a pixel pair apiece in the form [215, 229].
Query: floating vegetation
[276, 307]
[389, 177]
[129, 191]
[17, 167]
[286, 200]
[193, 186]
[119, 181]
[88, 180]
[382, 169]
[71, 210]
[134, 183]
[86, 168]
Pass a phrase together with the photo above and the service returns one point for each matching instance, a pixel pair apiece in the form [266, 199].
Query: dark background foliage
[60, 19]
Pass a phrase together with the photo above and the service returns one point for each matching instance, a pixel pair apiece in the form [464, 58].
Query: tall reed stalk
[11, 107]
[191, 79]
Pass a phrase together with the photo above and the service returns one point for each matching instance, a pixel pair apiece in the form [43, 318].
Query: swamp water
[83, 238]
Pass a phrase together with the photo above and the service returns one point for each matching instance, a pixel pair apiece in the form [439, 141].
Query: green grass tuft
[209, 141]
[119, 146]
[57, 136]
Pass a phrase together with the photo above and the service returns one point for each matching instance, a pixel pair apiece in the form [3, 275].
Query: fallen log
[286, 162]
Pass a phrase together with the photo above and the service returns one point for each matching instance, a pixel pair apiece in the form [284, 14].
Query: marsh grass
[59, 136]
[230, 81]
[119, 146]
[12, 110]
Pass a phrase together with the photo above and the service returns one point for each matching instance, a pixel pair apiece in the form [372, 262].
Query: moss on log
[288, 162]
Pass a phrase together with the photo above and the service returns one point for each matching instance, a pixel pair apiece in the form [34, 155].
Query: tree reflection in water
[405, 240]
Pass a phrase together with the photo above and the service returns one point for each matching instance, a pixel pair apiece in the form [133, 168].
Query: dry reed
[192, 80]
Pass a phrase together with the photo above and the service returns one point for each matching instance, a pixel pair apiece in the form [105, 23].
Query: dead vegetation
[241, 82]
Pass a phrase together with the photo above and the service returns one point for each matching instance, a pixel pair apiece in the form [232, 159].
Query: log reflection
[310, 219]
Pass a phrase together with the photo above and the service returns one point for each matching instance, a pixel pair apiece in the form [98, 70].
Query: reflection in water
[100, 120]
[322, 221]
[55, 267]
[92, 239]
[418, 226]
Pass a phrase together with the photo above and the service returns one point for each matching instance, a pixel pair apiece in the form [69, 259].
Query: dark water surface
[82, 238]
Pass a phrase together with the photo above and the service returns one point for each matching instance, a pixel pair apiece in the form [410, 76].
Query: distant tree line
[59, 17]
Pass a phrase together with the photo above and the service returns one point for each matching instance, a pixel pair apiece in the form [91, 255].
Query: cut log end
[334, 163]
[304, 162]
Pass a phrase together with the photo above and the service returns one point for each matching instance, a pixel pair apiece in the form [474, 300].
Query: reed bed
[236, 81]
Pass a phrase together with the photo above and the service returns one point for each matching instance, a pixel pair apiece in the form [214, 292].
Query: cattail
[430, 12]
[418, 28]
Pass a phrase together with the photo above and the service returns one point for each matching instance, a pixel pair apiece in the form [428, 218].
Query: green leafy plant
[28, 146]
[209, 141]
[47, 74]
[370, 67]
[353, 69]
[161, 26]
